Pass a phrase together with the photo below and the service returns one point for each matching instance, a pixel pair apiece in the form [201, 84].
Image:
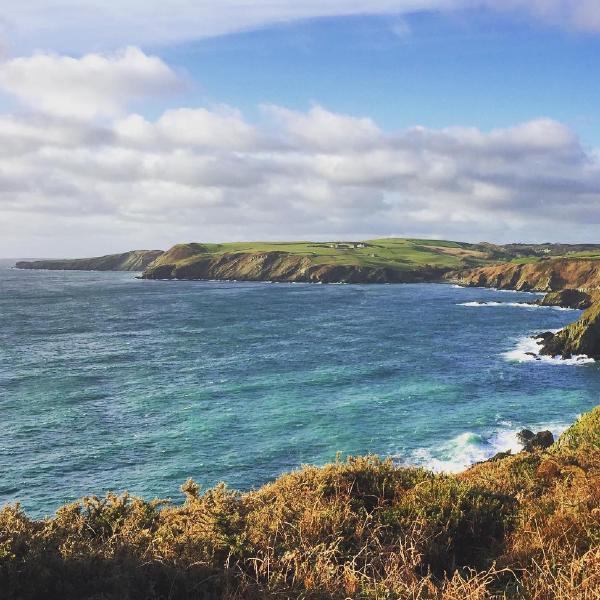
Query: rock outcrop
[278, 266]
[544, 275]
[135, 260]
[570, 283]
[581, 337]
[530, 441]
[568, 298]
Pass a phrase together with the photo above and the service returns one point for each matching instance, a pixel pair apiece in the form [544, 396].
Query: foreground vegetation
[526, 526]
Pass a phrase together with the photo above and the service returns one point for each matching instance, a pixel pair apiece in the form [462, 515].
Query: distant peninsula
[135, 260]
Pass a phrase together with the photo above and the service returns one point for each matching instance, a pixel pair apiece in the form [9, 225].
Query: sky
[141, 124]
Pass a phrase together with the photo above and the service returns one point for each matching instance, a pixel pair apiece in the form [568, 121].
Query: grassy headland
[386, 260]
[523, 527]
[369, 261]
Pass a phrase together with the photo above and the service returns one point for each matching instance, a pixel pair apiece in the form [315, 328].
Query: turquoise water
[113, 383]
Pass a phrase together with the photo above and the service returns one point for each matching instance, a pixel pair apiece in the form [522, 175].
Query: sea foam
[527, 350]
[477, 304]
[469, 448]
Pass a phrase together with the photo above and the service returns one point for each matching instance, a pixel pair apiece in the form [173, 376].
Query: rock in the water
[581, 337]
[567, 298]
[524, 436]
[535, 441]
[546, 335]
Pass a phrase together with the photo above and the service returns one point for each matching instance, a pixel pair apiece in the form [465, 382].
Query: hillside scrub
[526, 526]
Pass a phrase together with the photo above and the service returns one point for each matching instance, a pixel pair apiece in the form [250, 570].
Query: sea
[113, 383]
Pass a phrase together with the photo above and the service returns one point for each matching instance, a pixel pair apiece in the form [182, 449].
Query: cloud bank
[73, 186]
[76, 25]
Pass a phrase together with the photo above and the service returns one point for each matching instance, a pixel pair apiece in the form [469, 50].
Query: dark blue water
[113, 383]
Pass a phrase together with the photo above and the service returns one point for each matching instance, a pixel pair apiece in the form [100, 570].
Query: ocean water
[112, 383]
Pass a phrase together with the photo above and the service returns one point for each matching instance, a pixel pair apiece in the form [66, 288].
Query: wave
[469, 448]
[511, 304]
[518, 292]
[528, 348]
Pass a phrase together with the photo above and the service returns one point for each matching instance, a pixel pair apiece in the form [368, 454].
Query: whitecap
[493, 303]
[528, 348]
[505, 291]
[468, 448]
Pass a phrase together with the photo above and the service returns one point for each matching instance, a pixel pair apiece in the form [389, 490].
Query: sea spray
[469, 448]
[528, 348]
[492, 304]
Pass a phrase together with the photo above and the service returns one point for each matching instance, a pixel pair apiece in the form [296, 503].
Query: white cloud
[223, 127]
[321, 129]
[87, 87]
[71, 187]
[77, 25]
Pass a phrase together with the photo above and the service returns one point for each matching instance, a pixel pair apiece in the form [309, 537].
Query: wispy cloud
[86, 24]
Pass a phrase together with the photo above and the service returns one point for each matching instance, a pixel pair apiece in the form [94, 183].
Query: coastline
[466, 535]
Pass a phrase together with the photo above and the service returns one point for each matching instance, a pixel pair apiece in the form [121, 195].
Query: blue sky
[479, 69]
[140, 124]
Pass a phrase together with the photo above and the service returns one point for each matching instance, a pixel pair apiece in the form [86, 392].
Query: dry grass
[525, 527]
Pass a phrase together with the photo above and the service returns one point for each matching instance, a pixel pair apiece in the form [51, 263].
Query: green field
[398, 253]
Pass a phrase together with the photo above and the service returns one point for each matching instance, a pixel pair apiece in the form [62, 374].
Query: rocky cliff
[135, 260]
[570, 282]
[180, 263]
[569, 298]
[581, 337]
[545, 275]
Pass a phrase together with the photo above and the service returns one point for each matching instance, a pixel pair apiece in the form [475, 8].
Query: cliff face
[545, 275]
[278, 266]
[581, 337]
[569, 298]
[136, 260]
[571, 282]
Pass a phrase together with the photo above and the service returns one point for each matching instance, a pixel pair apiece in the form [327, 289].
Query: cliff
[135, 260]
[569, 298]
[544, 275]
[281, 266]
[361, 528]
[386, 260]
[581, 337]
[570, 282]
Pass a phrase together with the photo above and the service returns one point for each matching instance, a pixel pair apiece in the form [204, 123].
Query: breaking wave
[527, 350]
[468, 448]
[510, 305]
